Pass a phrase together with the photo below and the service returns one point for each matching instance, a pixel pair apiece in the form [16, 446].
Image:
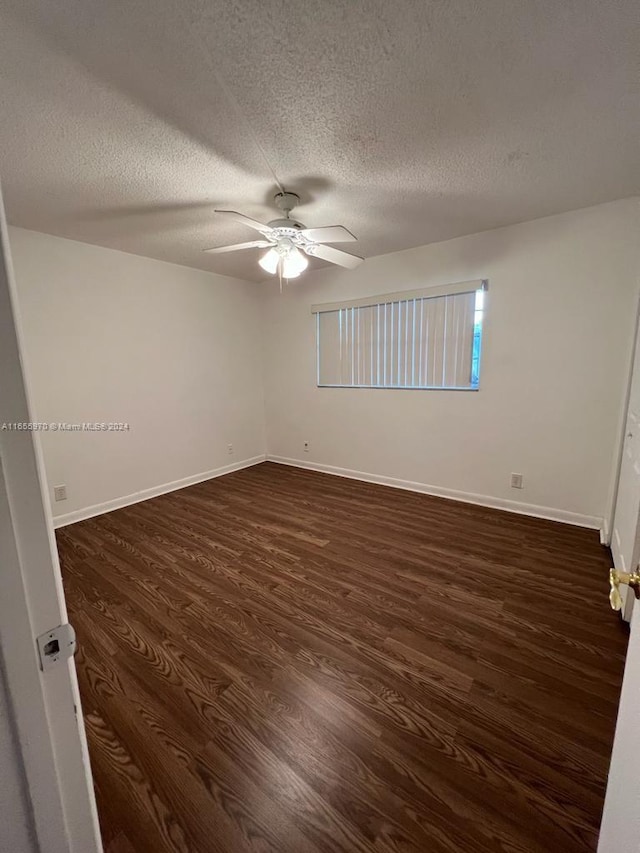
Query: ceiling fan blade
[247, 220]
[252, 244]
[328, 234]
[334, 256]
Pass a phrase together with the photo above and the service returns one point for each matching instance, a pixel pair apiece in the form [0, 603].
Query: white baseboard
[136, 497]
[550, 513]
[605, 536]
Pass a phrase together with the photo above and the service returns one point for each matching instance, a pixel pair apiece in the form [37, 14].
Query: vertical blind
[418, 342]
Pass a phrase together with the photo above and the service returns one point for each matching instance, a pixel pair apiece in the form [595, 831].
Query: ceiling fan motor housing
[286, 227]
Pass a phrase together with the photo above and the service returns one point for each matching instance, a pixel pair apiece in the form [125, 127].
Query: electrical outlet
[306, 447]
[517, 481]
[60, 493]
[230, 449]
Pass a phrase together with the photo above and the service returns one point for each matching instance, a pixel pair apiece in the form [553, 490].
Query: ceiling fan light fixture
[290, 260]
[293, 263]
[269, 261]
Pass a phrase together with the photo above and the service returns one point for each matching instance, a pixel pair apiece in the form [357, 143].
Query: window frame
[476, 286]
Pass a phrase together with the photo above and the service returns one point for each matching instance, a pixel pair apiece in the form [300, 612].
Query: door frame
[615, 484]
[45, 705]
[608, 532]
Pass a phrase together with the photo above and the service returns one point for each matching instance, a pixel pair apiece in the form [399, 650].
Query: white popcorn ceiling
[125, 124]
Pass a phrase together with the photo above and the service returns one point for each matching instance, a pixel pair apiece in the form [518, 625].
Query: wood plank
[289, 662]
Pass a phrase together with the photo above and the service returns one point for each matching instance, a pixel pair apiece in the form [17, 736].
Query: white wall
[113, 337]
[556, 350]
[176, 352]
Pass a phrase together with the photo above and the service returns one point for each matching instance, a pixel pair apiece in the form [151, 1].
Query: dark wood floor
[286, 661]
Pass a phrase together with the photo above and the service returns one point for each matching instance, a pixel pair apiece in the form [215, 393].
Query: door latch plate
[56, 645]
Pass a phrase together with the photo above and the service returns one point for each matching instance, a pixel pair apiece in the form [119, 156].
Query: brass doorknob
[615, 579]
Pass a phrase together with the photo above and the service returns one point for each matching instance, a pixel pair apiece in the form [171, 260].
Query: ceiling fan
[288, 241]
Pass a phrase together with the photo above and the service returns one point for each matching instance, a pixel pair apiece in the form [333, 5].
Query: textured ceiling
[126, 123]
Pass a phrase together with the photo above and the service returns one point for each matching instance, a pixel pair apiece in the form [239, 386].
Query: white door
[620, 830]
[46, 706]
[625, 541]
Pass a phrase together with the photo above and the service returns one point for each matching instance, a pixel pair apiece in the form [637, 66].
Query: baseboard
[154, 492]
[549, 513]
[605, 536]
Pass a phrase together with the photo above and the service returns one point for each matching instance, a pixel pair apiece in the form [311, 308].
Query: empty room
[319, 426]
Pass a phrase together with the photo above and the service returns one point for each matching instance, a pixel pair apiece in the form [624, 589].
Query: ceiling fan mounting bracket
[286, 201]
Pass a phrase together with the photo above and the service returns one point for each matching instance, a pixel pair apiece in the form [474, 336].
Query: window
[429, 338]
